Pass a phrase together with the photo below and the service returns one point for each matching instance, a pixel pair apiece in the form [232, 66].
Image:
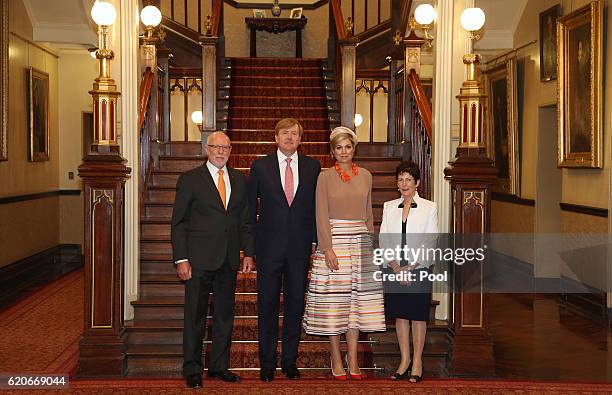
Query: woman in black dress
[409, 301]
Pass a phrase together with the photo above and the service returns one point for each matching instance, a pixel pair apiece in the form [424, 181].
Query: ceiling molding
[28, 7]
[521, 4]
[64, 33]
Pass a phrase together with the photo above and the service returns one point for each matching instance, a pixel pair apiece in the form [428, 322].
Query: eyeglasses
[224, 148]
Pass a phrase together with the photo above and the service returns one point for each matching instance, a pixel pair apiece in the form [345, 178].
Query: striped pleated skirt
[349, 298]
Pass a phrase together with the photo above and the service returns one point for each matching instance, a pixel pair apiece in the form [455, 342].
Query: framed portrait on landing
[296, 13]
[580, 82]
[37, 97]
[502, 126]
[548, 43]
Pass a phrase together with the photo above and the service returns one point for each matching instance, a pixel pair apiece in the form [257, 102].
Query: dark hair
[409, 167]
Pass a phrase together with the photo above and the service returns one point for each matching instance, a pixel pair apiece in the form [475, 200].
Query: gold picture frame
[4, 86]
[259, 14]
[296, 13]
[548, 43]
[37, 96]
[503, 145]
[580, 98]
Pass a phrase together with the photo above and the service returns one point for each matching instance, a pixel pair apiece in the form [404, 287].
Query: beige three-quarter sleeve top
[337, 199]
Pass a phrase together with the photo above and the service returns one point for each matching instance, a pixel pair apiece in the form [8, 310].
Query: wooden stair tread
[171, 277]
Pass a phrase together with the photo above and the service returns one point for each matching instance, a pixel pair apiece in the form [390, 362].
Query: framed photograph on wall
[548, 43]
[296, 13]
[257, 13]
[502, 126]
[580, 96]
[37, 97]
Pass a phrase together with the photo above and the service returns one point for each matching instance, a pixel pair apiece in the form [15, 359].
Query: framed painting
[580, 97]
[502, 126]
[257, 13]
[4, 87]
[37, 96]
[548, 43]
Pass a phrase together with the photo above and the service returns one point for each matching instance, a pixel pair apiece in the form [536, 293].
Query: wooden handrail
[377, 74]
[374, 31]
[145, 94]
[338, 19]
[217, 5]
[421, 101]
[405, 15]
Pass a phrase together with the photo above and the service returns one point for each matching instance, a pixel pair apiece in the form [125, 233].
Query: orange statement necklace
[343, 175]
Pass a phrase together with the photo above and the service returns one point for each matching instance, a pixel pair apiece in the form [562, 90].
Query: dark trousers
[222, 282]
[292, 276]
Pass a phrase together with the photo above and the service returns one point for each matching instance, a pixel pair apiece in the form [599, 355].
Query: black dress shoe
[291, 372]
[266, 374]
[224, 375]
[194, 381]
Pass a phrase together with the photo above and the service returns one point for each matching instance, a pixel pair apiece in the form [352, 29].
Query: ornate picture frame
[296, 13]
[37, 97]
[4, 84]
[580, 102]
[548, 43]
[259, 14]
[503, 145]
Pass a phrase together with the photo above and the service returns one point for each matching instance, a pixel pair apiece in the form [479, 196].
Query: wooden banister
[338, 19]
[145, 94]
[217, 5]
[421, 101]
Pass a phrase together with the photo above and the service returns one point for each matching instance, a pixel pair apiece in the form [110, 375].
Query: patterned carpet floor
[40, 335]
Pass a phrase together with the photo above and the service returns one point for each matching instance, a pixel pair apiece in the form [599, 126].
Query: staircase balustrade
[372, 89]
[185, 97]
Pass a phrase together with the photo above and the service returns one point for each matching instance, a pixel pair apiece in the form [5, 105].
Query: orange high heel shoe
[337, 376]
[353, 376]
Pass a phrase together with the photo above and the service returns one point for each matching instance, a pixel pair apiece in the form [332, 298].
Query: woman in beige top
[343, 296]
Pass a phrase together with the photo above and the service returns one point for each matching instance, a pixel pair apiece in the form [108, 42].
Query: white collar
[281, 157]
[214, 169]
[415, 199]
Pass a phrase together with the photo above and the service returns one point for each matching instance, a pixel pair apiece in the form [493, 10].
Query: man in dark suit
[282, 185]
[211, 223]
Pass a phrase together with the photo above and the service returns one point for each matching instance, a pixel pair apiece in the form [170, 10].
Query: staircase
[260, 92]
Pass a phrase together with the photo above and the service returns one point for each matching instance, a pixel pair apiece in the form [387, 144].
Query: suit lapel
[210, 184]
[275, 167]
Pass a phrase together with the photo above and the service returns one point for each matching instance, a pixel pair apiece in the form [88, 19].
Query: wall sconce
[104, 91]
[424, 17]
[198, 119]
[358, 120]
[151, 17]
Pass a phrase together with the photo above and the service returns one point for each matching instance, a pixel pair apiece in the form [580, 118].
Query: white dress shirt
[282, 164]
[214, 173]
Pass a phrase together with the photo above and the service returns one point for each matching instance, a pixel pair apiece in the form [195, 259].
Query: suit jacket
[421, 221]
[203, 231]
[282, 230]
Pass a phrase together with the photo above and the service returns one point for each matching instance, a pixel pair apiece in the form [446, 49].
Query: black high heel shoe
[414, 378]
[402, 376]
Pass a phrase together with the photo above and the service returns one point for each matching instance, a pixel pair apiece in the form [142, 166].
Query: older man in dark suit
[282, 186]
[211, 223]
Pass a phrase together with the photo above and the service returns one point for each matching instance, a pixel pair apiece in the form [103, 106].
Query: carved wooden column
[347, 92]
[209, 86]
[471, 176]
[102, 347]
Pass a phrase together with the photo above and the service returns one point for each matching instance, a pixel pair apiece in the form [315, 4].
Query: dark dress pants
[222, 282]
[291, 274]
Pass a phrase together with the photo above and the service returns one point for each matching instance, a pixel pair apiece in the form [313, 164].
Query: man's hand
[183, 270]
[331, 260]
[248, 264]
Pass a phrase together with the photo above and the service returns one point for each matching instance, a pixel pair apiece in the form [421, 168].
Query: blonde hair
[341, 133]
[287, 123]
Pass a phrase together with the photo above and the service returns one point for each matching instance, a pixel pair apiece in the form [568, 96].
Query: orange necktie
[221, 188]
